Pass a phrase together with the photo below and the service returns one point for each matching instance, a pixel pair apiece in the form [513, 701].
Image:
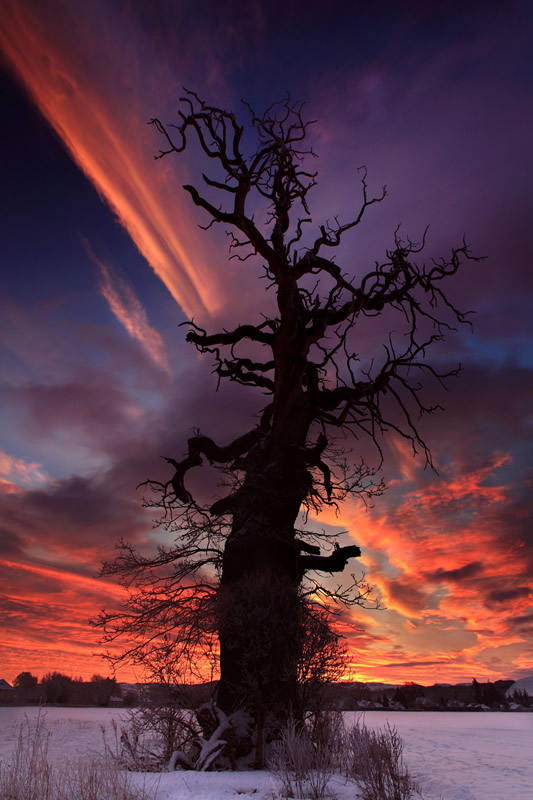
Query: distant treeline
[55, 688]
[415, 697]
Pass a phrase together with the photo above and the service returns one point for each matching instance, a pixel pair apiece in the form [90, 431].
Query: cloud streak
[91, 119]
[129, 311]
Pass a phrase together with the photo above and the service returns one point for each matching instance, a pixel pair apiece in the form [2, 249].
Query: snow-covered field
[453, 756]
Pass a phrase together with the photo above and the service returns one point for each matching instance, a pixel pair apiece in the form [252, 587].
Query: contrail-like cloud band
[128, 309]
[105, 132]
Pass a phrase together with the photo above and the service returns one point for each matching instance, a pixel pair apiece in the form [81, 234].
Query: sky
[102, 258]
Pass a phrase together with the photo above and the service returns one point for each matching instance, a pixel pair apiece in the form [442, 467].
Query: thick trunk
[259, 625]
[259, 645]
[258, 598]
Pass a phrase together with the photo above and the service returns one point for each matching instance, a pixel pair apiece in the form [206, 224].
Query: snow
[524, 684]
[453, 756]
[465, 755]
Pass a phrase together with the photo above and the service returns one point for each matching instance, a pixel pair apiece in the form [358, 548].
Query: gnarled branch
[336, 562]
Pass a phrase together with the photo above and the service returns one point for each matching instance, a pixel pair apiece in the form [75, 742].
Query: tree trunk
[258, 621]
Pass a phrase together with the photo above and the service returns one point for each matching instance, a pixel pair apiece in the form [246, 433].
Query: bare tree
[295, 458]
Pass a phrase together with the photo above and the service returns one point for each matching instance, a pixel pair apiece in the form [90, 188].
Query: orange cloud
[44, 619]
[67, 579]
[45, 613]
[451, 575]
[106, 137]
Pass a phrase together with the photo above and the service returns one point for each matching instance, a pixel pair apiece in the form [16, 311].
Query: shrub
[374, 759]
[304, 765]
[305, 758]
[149, 735]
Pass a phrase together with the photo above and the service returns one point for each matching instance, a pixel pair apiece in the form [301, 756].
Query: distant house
[115, 702]
[7, 693]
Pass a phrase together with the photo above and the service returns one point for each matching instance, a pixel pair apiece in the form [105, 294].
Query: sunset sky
[102, 259]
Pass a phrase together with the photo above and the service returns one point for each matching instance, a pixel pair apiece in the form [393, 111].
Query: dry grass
[374, 759]
[305, 759]
[29, 775]
[304, 766]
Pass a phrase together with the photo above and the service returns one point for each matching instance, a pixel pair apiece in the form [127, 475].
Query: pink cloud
[127, 308]
[108, 140]
[21, 471]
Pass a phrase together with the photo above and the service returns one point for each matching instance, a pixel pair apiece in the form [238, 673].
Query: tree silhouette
[25, 680]
[242, 569]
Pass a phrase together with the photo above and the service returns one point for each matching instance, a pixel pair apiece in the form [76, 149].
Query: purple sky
[102, 258]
